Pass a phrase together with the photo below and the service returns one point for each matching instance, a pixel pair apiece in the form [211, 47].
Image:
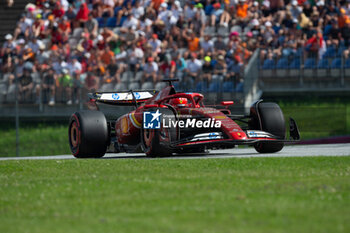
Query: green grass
[318, 117]
[35, 140]
[319, 121]
[209, 195]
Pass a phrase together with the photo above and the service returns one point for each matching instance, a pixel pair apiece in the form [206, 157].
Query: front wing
[255, 137]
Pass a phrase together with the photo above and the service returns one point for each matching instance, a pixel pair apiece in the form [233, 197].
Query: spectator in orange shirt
[192, 40]
[107, 55]
[28, 55]
[156, 4]
[64, 25]
[242, 10]
[64, 28]
[342, 18]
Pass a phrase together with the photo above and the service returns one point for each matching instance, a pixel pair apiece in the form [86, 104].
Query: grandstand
[55, 51]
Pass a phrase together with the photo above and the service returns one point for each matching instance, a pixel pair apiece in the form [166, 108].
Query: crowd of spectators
[61, 47]
[302, 31]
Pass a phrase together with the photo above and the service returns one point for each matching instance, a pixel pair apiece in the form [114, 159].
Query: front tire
[88, 134]
[157, 142]
[268, 117]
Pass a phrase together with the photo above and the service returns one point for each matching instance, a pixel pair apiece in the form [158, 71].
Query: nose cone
[238, 135]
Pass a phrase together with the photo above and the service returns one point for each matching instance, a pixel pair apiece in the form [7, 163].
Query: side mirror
[227, 103]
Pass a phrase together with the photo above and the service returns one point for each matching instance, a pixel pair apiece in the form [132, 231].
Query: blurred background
[54, 52]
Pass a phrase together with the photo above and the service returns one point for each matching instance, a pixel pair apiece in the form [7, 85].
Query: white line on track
[288, 151]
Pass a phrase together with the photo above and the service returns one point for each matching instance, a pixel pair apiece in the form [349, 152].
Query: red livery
[167, 122]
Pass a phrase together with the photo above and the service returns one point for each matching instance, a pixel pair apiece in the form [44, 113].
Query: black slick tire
[88, 134]
[272, 121]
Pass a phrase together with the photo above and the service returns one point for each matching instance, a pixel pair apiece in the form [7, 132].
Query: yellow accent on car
[125, 126]
[219, 117]
[134, 119]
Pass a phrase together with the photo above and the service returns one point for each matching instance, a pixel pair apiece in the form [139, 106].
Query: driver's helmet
[179, 102]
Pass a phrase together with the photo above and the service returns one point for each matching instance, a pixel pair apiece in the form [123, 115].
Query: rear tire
[271, 121]
[88, 134]
[157, 142]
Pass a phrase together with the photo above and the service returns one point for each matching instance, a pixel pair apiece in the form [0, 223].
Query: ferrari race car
[168, 122]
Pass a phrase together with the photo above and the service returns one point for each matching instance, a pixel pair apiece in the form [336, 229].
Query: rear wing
[126, 98]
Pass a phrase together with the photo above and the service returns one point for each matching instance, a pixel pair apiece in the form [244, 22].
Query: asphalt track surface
[288, 151]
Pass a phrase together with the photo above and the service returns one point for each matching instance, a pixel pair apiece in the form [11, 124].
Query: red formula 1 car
[168, 122]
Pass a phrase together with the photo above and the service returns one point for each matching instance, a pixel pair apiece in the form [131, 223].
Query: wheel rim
[147, 135]
[74, 135]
